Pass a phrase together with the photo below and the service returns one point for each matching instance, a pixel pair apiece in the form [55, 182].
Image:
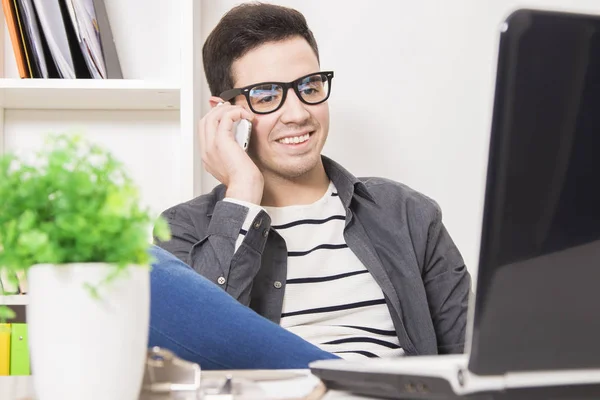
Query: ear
[214, 101]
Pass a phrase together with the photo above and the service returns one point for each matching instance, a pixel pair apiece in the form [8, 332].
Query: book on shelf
[62, 39]
[4, 349]
[19, 350]
[15, 32]
[14, 349]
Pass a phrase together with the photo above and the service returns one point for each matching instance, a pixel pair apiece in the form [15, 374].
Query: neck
[305, 189]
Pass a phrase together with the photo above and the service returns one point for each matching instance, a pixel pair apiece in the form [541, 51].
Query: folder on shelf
[19, 350]
[107, 43]
[33, 39]
[85, 27]
[12, 25]
[4, 349]
[55, 32]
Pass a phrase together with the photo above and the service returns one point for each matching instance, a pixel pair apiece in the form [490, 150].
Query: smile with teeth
[295, 139]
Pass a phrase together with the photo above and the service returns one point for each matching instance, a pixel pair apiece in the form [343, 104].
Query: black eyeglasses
[267, 97]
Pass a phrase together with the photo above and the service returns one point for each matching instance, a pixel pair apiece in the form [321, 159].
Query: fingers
[220, 154]
[225, 130]
[220, 120]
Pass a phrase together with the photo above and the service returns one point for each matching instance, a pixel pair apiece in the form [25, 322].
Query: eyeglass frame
[231, 93]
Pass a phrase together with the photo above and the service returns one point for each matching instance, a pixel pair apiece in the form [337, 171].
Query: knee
[161, 258]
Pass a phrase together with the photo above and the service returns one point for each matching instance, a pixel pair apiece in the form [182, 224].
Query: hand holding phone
[221, 156]
[241, 132]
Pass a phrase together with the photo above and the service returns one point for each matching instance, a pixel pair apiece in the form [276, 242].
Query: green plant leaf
[162, 230]
[73, 201]
[6, 313]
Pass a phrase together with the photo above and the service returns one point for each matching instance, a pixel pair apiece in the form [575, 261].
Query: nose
[293, 110]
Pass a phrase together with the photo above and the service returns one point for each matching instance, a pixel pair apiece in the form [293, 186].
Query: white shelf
[16, 387]
[88, 94]
[14, 300]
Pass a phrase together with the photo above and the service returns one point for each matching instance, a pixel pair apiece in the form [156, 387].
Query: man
[356, 267]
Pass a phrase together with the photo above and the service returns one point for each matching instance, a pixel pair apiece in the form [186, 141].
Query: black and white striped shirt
[331, 300]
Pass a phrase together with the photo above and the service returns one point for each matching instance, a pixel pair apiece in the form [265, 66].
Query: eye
[309, 90]
[266, 94]
[265, 98]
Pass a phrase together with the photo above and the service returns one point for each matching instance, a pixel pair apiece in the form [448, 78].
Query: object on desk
[4, 349]
[228, 388]
[19, 350]
[167, 373]
[261, 385]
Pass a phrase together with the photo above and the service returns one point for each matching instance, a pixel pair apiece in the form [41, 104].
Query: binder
[4, 349]
[79, 63]
[109, 49]
[33, 38]
[12, 25]
[54, 29]
[85, 31]
[19, 350]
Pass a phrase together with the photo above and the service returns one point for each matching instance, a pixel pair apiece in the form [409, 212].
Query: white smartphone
[242, 130]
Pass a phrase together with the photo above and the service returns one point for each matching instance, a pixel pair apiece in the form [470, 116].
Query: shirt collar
[346, 184]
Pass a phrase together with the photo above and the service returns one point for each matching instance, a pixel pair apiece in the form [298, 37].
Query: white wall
[413, 90]
[145, 141]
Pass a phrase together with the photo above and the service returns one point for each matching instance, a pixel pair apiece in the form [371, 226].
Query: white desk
[21, 387]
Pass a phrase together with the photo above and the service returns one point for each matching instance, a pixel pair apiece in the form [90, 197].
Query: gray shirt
[396, 232]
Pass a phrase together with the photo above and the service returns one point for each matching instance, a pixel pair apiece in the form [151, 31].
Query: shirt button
[257, 224]
[277, 284]
[221, 280]
[265, 233]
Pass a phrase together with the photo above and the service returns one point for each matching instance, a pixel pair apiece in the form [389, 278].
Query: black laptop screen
[538, 290]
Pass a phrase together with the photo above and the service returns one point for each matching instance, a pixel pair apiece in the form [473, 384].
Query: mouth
[295, 140]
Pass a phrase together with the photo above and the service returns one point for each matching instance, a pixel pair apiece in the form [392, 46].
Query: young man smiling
[340, 266]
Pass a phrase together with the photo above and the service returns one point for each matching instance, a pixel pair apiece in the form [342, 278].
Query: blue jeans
[200, 322]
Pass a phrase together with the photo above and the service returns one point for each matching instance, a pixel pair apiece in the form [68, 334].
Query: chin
[295, 170]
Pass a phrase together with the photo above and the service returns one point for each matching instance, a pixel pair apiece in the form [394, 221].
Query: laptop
[534, 328]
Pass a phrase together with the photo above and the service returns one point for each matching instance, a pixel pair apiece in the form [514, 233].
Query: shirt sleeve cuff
[253, 210]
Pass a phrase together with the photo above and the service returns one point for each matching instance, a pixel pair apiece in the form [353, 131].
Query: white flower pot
[82, 347]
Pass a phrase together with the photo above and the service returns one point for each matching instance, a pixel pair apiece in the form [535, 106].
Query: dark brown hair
[244, 28]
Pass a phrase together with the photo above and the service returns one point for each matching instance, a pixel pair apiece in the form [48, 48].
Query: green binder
[19, 350]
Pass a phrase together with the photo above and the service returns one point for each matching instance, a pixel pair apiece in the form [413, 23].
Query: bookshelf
[14, 300]
[92, 94]
[148, 118]
[159, 51]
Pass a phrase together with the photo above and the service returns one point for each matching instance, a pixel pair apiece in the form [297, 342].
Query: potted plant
[71, 219]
